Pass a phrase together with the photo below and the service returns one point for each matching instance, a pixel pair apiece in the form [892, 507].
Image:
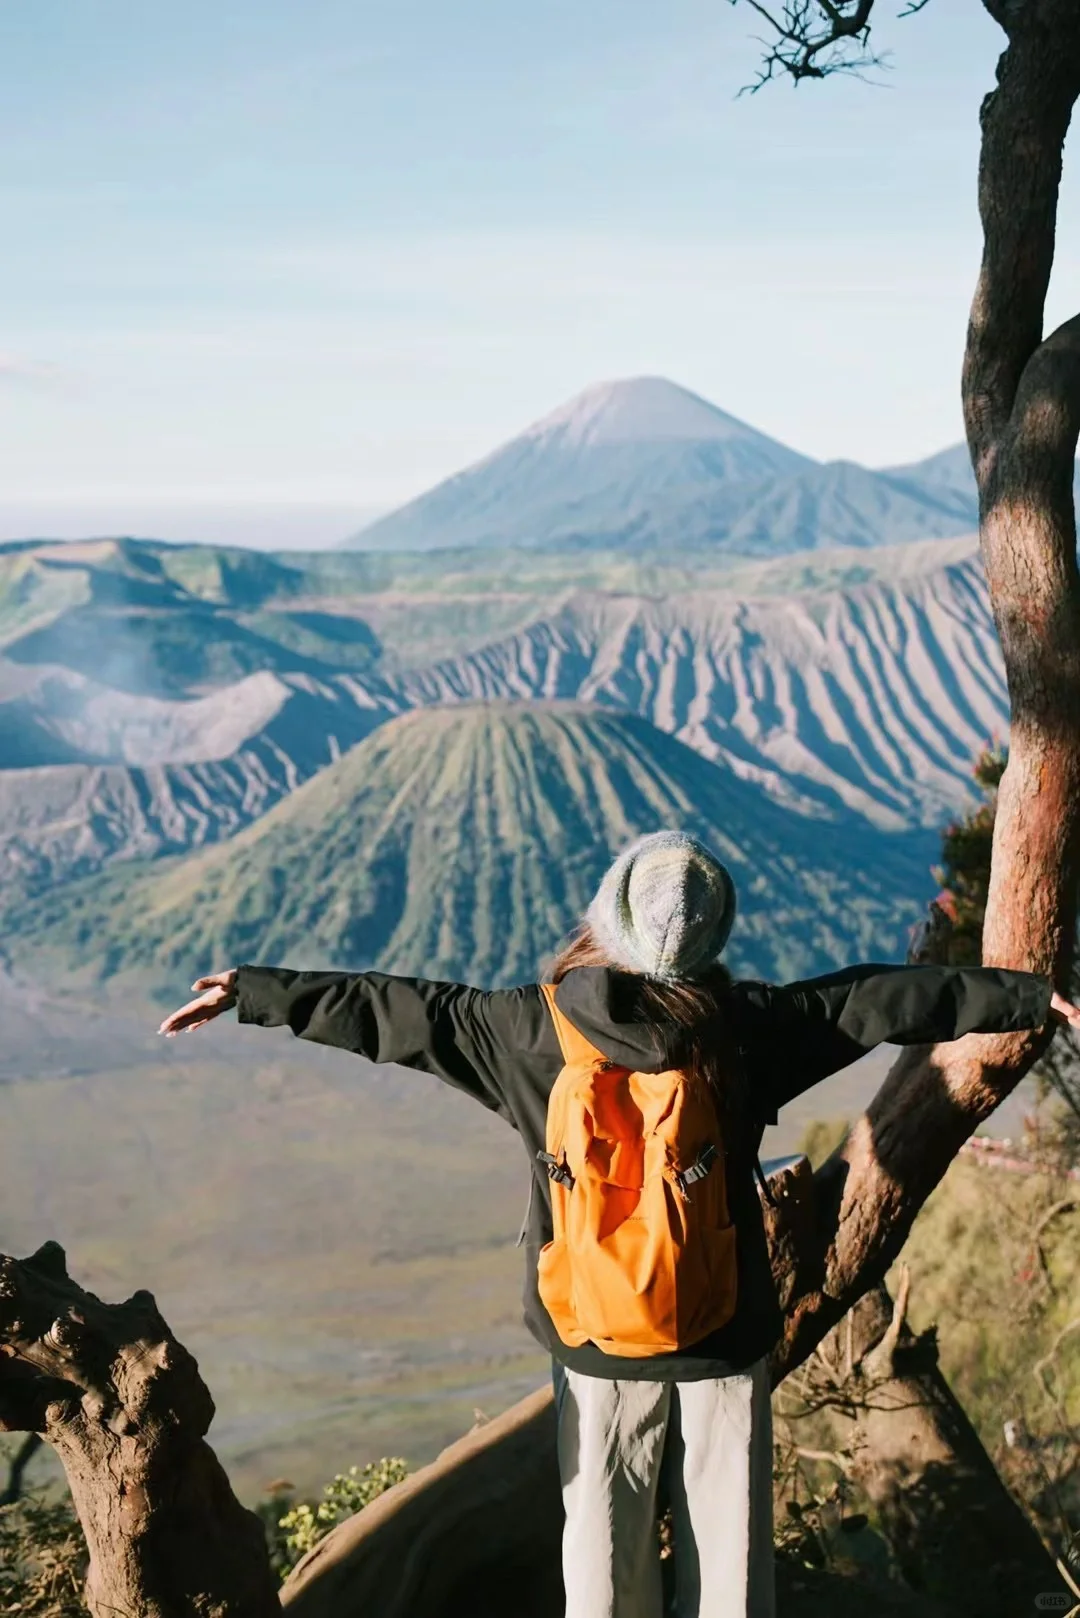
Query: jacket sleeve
[459, 1034]
[799, 1034]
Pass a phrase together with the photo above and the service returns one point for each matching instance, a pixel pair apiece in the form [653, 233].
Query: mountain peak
[639, 410]
[642, 465]
[639, 461]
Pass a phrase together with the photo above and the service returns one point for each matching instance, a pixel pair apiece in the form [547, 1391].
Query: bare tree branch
[1040, 1368]
[813, 39]
[880, 1362]
[12, 1491]
[832, 1456]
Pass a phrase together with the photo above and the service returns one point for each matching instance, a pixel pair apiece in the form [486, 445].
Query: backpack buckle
[558, 1169]
[685, 1178]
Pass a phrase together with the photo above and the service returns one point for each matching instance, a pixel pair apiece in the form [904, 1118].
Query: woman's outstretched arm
[471, 1038]
[916, 1005]
[802, 1032]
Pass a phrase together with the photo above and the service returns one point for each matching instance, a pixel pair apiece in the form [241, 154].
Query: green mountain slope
[463, 842]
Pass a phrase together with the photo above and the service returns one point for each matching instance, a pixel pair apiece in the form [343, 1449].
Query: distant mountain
[89, 774]
[61, 822]
[644, 464]
[948, 476]
[295, 722]
[868, 701]
[176, 622]
[143, 618]
[617, 461]
[835, 504]
[464, 842]
[853, 686]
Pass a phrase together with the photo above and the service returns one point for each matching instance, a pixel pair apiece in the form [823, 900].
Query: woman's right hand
[216, 994]
[1062, 1010]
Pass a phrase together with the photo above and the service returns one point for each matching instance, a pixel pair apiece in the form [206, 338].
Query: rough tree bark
[123, 1405]
[954, 1529]
[951, 1523]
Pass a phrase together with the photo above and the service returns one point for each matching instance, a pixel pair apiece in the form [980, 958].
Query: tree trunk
[477, 1532]
[123, 1405]
[1022, 409]
[957, 1534]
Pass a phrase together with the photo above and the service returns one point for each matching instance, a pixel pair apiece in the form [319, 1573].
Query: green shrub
[347, 1493]
[43, 1560]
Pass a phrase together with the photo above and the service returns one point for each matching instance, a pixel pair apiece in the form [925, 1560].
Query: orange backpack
[642, 1259]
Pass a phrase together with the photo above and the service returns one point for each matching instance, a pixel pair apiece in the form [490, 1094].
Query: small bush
[43, 1560]
[347, 1493]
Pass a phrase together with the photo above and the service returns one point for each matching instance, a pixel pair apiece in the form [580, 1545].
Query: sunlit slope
[464, 841]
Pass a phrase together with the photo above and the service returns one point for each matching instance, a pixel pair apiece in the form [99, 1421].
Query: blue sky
[268, 266]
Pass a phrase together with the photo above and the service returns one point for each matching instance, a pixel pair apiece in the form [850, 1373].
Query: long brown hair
[690, 1016]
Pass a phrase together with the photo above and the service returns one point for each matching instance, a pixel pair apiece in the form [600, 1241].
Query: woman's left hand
[217, 993]
[1062, 1010]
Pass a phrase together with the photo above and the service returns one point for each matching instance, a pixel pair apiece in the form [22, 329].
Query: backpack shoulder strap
[576, 1049]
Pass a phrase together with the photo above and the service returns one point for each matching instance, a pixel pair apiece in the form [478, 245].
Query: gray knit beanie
[665, 907]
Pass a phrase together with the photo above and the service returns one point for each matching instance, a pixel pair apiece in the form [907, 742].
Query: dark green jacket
[500, 1047]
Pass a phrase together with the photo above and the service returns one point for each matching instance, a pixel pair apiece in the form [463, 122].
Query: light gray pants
[714, 1442]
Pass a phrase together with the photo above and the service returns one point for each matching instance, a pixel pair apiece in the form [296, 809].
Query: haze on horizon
[270, 271]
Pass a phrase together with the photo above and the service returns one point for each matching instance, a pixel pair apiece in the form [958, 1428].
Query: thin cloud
[15, 368]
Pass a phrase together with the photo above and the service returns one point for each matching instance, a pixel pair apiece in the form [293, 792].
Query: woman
[640, 989]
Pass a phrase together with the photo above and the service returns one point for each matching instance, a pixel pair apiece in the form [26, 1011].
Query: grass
[994, 1258]
[995, 1265]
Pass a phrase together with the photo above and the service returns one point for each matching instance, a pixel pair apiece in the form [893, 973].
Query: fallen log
[478, 1531]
